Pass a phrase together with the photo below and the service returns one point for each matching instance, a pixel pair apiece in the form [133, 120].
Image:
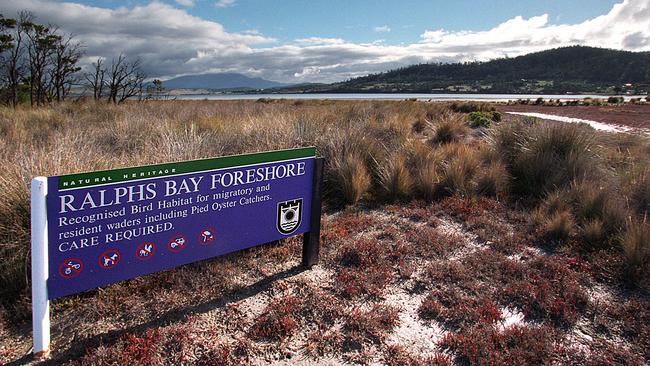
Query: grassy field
[448, 238]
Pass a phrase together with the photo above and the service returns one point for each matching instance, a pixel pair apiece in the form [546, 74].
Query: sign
[108, 226]
[94, 229]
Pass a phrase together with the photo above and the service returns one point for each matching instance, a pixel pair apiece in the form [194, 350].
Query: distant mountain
[219, 81]
[574, 69]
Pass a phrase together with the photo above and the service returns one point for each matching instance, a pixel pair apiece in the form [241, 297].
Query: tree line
[40, 64]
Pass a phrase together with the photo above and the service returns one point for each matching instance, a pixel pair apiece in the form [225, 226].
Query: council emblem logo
[289, 216]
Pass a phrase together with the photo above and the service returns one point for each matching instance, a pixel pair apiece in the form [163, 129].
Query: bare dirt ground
[629, 115]
[419, 284]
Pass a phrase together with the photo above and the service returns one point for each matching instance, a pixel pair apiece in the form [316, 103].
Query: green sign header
[72, 181]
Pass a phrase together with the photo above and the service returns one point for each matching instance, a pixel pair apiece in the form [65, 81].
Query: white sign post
[40, 302]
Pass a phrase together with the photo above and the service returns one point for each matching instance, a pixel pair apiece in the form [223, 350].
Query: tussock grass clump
[459, 170]
[395, 179]
[15, 237]
[640, 193]
[493, 180]
[351, 177]
[543, 157]
[636, 250]
[593, 233]
[451, 128]
[559, 227]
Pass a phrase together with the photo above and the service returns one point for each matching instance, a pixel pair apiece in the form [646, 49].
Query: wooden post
[311, 239]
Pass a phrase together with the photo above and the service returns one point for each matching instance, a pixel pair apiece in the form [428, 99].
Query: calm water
[425, 97]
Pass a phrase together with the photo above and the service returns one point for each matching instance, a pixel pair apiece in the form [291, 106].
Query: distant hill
[574, 69]
[219, 81]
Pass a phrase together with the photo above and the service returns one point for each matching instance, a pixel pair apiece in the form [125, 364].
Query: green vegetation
[574, 69]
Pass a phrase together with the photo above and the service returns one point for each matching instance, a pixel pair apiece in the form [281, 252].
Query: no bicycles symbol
[71, 268]
[177, 243]
[145, 251]
[109, 259]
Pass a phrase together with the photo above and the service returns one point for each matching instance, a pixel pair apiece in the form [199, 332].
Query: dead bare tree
[63, 71]
[125, 80]
[96, 79]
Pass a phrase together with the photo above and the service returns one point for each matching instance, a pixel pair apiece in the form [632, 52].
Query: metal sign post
[311, 239]
[40, 301]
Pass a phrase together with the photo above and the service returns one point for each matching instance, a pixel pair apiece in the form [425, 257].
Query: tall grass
[636, 248]
[375, 151]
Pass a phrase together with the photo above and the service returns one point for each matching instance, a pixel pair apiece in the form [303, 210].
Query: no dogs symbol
[109, 259]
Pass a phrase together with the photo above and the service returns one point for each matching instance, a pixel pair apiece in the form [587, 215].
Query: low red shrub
[278, 320]
[515, 345]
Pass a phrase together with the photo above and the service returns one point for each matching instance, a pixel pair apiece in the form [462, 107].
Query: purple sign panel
[109, 226]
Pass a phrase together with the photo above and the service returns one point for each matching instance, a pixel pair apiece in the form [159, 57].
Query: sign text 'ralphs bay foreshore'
[104, 227]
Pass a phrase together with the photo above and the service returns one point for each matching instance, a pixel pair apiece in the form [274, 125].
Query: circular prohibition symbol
[177, 243]
[207, 236]
[71, 268]
[145, 251]
[109, 258]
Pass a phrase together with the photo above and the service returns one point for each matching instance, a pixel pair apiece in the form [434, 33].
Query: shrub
[480, 119]
[366, 268]
[484, 119]
[372, 325]
[549, 290]
[468, 107]
[458, 310]
[397, 355]
[351, 177]
[615, 100]
[514, 345]
[278, 319]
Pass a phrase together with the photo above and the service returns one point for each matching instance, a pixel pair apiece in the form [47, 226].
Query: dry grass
[581, 186]
[636, 247]
[451, 128]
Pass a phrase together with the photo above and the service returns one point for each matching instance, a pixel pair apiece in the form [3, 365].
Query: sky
[297, 41]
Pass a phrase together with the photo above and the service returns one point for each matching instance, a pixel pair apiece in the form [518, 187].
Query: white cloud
[382, 29]
[319, 40]
[185, 2]
[225, 3]
[172, 42]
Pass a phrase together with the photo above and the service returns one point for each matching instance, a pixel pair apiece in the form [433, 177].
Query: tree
[40, 48]
[64, 67]
[96, 79]
[125, 80]
[11, 49]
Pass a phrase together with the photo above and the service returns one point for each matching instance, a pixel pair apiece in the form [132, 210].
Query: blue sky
[361, 21]
[325, 41]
